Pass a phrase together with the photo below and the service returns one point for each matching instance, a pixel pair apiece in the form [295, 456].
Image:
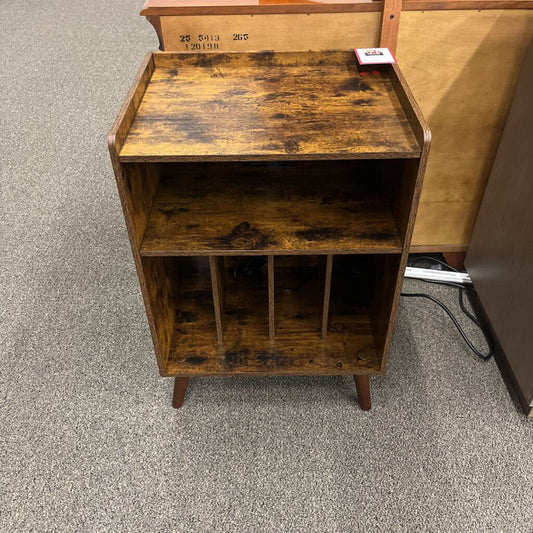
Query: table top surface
[267, 106]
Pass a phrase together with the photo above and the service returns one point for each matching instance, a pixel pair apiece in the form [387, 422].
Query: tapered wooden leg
[455, 259]
[362, 384]
[180, 387]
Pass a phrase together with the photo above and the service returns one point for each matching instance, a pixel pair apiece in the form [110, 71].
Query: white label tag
[374, 56]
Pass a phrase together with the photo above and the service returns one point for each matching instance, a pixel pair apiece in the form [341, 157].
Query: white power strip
[438, 275]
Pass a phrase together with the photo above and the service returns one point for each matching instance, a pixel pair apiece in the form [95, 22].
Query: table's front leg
[180, 387]
[362, 384]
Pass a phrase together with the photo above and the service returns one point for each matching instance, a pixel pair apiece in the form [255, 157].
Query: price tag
[374, 56]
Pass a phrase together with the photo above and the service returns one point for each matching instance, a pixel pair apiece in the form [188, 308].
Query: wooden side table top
[277, 106]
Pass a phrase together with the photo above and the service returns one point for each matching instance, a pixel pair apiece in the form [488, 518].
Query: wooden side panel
[160, 286]
[140, 183]
[126, 115]
[137, 185]
[387, 281]
[300, 32]
[405, 206]
[462, 68]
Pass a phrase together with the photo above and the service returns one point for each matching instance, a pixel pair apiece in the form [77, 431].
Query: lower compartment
[227, 330]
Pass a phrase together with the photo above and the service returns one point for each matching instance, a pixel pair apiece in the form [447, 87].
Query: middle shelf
[300, 208]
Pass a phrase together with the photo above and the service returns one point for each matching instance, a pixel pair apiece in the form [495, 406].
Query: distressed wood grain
[282, 209]
[276, 106]
[247, 348]
[330, 220]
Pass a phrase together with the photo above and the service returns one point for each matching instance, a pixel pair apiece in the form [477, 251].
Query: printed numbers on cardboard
[202, 46]
[203, 37]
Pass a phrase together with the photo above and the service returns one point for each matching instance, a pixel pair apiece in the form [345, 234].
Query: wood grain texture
[158, 284]
[126, 115]
[387, 279]
[454, 5]
[406, 198]
[286, 208]
[136, 185]
[269, 316]
[140, 183]
[464, 90]
[298, 347]
[254, 7]
[390, 24]
[258, 7]
[299, 291]
[155, 21]
[277, 106]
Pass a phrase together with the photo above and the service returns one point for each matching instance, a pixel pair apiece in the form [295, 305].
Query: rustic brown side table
[270, 200]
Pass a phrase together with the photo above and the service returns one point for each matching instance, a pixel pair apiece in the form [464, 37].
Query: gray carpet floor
[89, 440]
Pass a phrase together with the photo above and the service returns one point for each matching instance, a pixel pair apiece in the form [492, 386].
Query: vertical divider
[327, 295]
[215, 267]
[271, 325]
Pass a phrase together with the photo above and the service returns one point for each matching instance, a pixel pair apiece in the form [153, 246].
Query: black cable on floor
[434, 259]
[462, 290]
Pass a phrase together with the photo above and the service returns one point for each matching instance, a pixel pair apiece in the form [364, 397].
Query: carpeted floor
[89, 441]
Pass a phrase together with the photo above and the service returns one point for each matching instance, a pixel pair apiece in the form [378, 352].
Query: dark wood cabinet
[270, 200]
[500, 258]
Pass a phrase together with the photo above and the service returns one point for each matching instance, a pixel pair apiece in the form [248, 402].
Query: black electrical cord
[462, 290]
[248, 268]
[434, 259]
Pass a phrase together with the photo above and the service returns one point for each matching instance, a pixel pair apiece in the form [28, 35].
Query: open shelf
[246, 348]
[195, 325]
[282, 208]
[298, 296]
